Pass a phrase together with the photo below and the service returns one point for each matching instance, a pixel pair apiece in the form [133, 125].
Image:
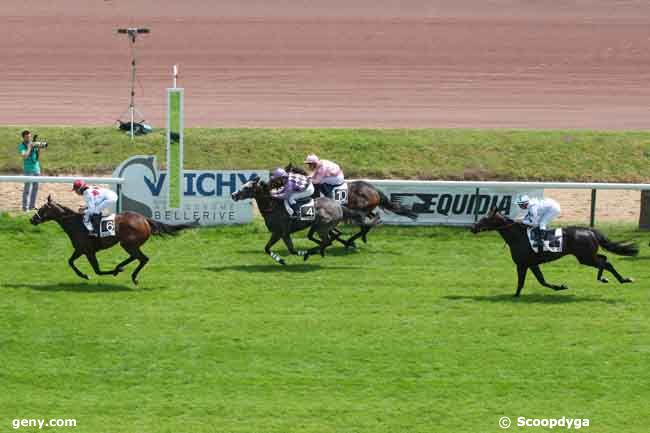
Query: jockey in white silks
[539, 214]
[325, 174]
[97, 199]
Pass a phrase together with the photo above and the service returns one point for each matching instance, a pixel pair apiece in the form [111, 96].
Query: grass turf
[416, 332]
[379, 153]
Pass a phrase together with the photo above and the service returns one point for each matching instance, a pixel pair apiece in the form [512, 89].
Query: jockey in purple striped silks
[294, 187]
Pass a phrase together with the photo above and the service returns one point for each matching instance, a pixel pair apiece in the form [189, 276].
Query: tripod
[132, 34]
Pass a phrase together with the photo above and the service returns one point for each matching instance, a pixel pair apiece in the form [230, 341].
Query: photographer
[31, 167]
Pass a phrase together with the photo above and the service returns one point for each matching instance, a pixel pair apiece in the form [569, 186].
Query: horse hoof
[628, 280]
[305, 257]
[134, 281]
[604, 280]
[282, 262]
[85, 277]
[563, 287]
[351, 246]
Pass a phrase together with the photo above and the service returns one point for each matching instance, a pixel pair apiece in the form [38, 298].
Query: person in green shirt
[31, 167]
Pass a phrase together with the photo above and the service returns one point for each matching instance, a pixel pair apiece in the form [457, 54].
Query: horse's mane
[66, 210]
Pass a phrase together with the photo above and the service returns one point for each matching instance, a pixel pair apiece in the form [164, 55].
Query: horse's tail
[625, 248]
[159, 228]
[385, 203]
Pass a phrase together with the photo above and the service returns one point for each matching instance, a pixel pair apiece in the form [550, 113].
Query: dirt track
[417, 63]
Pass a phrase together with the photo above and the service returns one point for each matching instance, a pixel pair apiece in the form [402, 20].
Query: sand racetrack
[413, 63]
[300, 63]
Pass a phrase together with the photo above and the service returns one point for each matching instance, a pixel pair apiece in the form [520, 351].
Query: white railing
[514, 185]
[62, 179]
[477, 186]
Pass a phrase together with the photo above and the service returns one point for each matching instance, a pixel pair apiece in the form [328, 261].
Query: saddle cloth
[107, 226]
[305, 207]
[340, 193]
[553, 240]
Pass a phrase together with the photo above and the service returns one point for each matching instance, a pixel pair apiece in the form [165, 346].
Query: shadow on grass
[78, 287]
[531, 299]
[271, 267]
[336, 251]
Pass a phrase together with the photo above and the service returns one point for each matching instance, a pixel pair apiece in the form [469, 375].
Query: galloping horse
[365, 197]
[131, 231]
[328, 214]
[581, 242]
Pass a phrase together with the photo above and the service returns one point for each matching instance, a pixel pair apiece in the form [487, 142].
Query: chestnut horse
[131, 231]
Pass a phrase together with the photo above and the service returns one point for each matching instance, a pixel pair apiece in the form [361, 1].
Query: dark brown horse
[131, 231]
[581, 242]
[365, 197]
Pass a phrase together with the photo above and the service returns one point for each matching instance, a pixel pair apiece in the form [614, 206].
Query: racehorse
[131, 231]
[328, 213]
[365, 197]
[581, 242]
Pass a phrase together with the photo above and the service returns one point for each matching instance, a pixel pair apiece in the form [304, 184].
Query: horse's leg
[521, 277]
[92, 259]
[289, 243]
[540, 277]
[274, 238]
[314, 239]
[598, 261]
[143, 261]
[71, 260]
[607, 265]
[120, 267]
[337, 234]
[364, 232]
[325, 241]
[600, 277]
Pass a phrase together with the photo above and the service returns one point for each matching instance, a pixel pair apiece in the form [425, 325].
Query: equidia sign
[206, 194]
[448, 205]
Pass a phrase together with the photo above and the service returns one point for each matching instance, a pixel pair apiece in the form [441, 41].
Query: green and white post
[175, 125]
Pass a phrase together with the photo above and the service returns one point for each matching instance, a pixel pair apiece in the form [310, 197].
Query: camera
[39, 144]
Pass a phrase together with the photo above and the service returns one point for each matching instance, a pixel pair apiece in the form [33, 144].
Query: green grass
[424, 153]
[416, 332]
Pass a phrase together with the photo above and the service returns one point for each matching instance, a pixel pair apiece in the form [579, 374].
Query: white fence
[461, 202]
[10, 194]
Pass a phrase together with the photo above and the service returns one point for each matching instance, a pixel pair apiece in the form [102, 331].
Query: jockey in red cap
[97, 199]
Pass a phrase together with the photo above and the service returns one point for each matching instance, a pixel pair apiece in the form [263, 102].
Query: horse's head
[295, 169]
[250, 189]
[49, 211]
[492, 221]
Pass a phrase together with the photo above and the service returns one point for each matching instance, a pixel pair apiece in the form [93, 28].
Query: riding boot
[96, 221]
[296, 211]
[539, 234]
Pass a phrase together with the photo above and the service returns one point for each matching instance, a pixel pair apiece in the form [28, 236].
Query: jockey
[325, 174]
[294, 187]
[97, 199]
[540, 212]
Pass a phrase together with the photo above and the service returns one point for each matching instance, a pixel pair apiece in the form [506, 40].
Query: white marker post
[175, 73]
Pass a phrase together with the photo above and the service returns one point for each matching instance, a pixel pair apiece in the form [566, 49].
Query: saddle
[553, 240]
[338, 193]
[304, 209]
